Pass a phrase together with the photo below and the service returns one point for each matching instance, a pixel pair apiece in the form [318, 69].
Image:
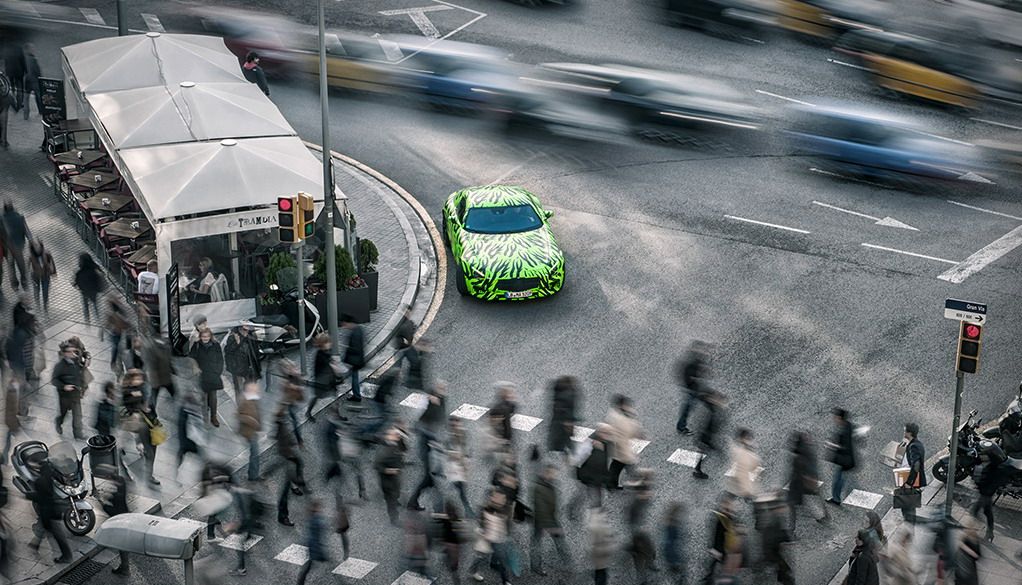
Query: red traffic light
[971, 331]
[284, 204]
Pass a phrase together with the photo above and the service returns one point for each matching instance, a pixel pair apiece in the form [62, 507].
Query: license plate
[519, 295]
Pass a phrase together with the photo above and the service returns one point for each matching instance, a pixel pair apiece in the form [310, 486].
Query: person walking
[503, 409]
[135, 406]
[674, 535]
[625, 428]
[900, 566]
[862, 564]
[342, 525]
[840, 452]
[89, 283]
[106, 410]
[43, 270]
[388, 464]
[775, 535]
[452, 536]
[915, 460]
[715, 403]
[68, 378]
[742, 479]
[294, 479]
[249, 426]
[803, 479]
[8, 101]
[404, 337]
[32, 75]
[491, 541]
[429, 428]
[115, 505]
[14, 67]
[18, 233]
[691, 372]
[157, 352]
[724, 533]
[199, 324]
[969, 553]
[325, 374]
[12, 410]
[254, 72]
[314, 540]
[354, 354]
[419, 356]
[210, 359]
[545, 521]
[592, 473]
[990, 477]
[48, 509]
[246, 503]
[565, 399]
[116, 325]
[241, 357]
[351, 455]
[191, 431]
[456, 461]
[601, 545]
[19, 347]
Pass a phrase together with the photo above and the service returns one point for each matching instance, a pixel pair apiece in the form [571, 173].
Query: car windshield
[502, 220]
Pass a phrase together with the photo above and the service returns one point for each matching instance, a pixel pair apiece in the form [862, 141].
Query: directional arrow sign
[957, 310]
[886, 221]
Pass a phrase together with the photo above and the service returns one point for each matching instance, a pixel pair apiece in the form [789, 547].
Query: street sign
[957, 310]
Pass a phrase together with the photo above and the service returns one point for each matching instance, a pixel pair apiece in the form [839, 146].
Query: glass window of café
[222, 267]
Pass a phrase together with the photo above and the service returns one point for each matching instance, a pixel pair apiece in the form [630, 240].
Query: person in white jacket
[624, 428]
[742, 477]
[492, 538]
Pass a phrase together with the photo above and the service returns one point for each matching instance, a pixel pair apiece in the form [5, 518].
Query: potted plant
[352, 292]
[368, 257]
[281, 276]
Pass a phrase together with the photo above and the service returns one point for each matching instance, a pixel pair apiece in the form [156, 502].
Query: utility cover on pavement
[957, 310]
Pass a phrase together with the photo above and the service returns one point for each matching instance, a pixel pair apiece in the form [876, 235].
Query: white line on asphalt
[521, 422]
[686, 458]
[993, 123]
[514, 170]
[295, 554]
[861, 499]
[945, 138]
[967, 206]
[416, 400]
[773, 225]
[153, 23]
[234, 542]
[410, 578]
[479, 16]
[353, 568]
[414, 10]
[469, 411]
[92, 15]
[982, 258]
[781, 97]
[638, 445]
[425, 25]
[582, 433]
[886, 221]
[844, 177]
[896, 251]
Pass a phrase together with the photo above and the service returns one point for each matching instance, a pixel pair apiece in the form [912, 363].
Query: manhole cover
[82, 572]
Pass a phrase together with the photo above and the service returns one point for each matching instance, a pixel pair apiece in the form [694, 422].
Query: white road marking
[582, 433]
[92, 15]
[521, 422]
[479, 16]
[153, 23]
[234, 542]
[638, 445]
[514, 170]
[432, 8]
[896, 251]
[416, 400]
[861, 499]
[773, 225]
[840, 176]
[967, 206]
[993, 123]
[295, 554]
[410, 578]
[982, 258]
[469, 411]
[391, 49]
[686, 458]
[886, 221]
[418, 16]
[353, 568]
[945, 138]
[788, 99]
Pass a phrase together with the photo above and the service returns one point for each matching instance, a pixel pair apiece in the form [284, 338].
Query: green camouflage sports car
[502, 244]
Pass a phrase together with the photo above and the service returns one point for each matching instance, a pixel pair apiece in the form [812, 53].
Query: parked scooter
[69, 479]
[277, 334]
[968, 454]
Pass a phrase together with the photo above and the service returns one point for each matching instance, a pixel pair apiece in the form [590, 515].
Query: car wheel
[459, 280]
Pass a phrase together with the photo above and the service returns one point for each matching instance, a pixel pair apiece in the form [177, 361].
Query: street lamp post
[328, 189]
[122, 19]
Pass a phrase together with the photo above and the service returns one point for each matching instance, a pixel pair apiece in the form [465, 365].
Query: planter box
[373, 283]
[354, 302]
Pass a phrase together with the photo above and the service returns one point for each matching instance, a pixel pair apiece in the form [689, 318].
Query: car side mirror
[548, 214]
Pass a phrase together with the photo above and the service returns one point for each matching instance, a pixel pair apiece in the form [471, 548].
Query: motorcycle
[69, 480]
[968, 452]
[1008, 431]
[1011, 482]
[276, 334]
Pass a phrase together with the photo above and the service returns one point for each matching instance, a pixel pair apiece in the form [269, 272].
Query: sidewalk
[407, 276]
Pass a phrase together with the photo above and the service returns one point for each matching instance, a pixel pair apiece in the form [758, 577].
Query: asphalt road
[803, 321]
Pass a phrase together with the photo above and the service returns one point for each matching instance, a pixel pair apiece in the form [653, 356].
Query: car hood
[530, 253]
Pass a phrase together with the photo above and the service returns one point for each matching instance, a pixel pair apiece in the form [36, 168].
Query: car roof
[496, 196]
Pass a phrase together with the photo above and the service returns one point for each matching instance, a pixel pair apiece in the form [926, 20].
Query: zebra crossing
[352, 568]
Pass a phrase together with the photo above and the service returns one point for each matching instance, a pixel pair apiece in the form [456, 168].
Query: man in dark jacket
[49, 511]
[418, 355]
[775, 535]
[287, 448]
[545, 521]
[210, 358]
[915, 460]
[161, 371]
[17, 232]
[14, 67]
[841, 452]
[691, 373]
[254, 73]
[429, 428]
[68, 378]
[562, 419]
[504, 408]
[354, 354]
[241, 356]
[89, 282]
[32, 75]
[324, 377]
[389, 461]
[592, 473]
[992, 475]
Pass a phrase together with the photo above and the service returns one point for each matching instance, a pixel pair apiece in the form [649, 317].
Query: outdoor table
[71, 157]
[121, 228]
[88, 180]
[143, 255]
[107, 202]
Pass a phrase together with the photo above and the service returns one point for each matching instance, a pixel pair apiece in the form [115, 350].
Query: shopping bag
[907, 498]
[901, 476]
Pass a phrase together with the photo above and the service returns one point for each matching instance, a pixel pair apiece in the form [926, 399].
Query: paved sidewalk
[407, 276]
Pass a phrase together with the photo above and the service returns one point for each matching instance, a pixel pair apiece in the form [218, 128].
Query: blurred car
[502, 243]
[915, 66]
[1000, 21]
[827, 19]
[354, 61]
[272, 36]
[879, 147]
[722, 16]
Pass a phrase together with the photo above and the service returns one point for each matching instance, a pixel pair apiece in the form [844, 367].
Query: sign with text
[957, 310]
[51, 95]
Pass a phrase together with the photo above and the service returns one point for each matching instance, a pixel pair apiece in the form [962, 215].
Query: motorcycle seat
[33, 454]
[278, 320]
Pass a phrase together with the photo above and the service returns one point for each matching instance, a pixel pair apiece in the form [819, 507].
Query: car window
[502, 220]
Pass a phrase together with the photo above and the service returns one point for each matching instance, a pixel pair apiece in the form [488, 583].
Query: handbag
[907, 498]
[157, 432]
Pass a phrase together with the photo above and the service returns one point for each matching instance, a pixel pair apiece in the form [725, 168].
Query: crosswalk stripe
[521, 422]
[469, 411]
[236, 541]
[638, 445]
[295, 554]
[353, 568]
[410, 578]
[416, 400]
[153, 23]
[686, 458]
[861, 499]
[92, 15]
[582, 433]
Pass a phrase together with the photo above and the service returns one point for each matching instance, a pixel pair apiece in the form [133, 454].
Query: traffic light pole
[299, 248]
[122, 19]
[952, 464]
[328, 190]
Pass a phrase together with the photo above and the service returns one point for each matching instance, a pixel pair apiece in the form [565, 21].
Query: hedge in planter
[352, 292]
[368, 257]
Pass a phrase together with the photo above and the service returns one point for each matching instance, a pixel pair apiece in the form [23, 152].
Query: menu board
[51, 94]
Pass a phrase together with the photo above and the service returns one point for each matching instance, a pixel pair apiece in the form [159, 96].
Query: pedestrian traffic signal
[968, 347]
[306, 213]
[286, 219]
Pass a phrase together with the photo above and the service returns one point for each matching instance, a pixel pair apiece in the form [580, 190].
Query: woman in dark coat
[804, 480]
[324, 375]
[210, 357]
[89, 282]
[862, 565]
[562, 420]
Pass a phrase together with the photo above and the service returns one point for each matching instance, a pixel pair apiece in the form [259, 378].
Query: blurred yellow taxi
[825, 19]
[353, 62]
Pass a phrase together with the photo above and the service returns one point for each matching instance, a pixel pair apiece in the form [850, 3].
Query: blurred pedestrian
[325, 374]
[565, 402]
[133, 358]
[624, 429]
[18, 234]
[503, 409]
[157, 352]
[862, 564]
[342, 524]
[546, 521]
[715, 403]
[7, 102]
[452, 536]
[416, 544]
[404, 337]
[804, 479]
[12, 410]
[419, 356]
[593, 463]
[724, 533]
[915, 460]
[354, 354]
[106, 410]
[241, 357]
[254, 72]
[68, 378]
[43, 270]
[115, 505]
[293, 395]
[873, 527]
[250, 425]
[331, 443]
[691, 372]
[48, 510]
[840, 452]
[456, 461]
[969, 553]
[210, 358]
[134, 405]
[294, 477]
[742, 479]
[32, 75]
[674, 550]
[351, 456]
[200, 323]
[89, 283]
[900, 566]
[775, 535]
[601, 545]
[191, 430]
[314, 540]
[491, 540]
[20, 347]
[14, 67]
[247, 504]
[388, 464]
[117, 326]
[641, 546]
[428, 430]
[990, 476]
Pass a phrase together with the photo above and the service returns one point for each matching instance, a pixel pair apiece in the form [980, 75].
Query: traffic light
[286, 220]
[968, 347]
[306, 216]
